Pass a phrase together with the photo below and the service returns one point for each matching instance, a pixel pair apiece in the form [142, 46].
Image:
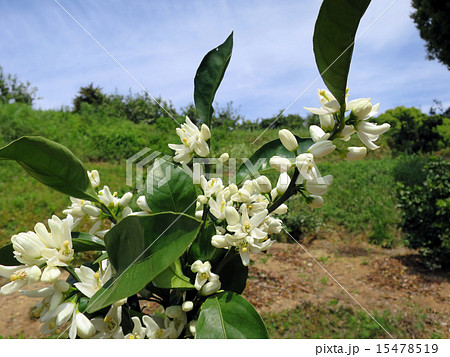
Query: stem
[289, 192]
[111, 216]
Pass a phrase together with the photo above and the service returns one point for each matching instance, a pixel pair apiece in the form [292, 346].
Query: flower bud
[355, 153]
[317, 201]
[205, 132]
[281, 164]
[219, 241]
[196, 173]
[126, 199]
[282, 209]
[283, 182]
[288, 140]
[322, 148]
[264, 184]
[142, 204]
[224, 157]
[94, 177]
[317, 133]
[91, 210]
[187, 306]
[85, 328]
[326, 121]
[210, 287]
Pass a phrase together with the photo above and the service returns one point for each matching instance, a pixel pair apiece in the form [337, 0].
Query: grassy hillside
[360, 201]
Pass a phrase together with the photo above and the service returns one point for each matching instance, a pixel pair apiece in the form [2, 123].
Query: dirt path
[379, 279]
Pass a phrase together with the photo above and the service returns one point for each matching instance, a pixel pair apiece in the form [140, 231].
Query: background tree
[14, 91]
[433, 22]
[90, 95]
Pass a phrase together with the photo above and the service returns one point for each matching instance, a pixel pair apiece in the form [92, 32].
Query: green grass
[333, 321]
[361, 199]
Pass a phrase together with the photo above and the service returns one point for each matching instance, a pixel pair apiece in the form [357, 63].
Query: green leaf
[83, 242]
[140, 248]
[173, 278]
[229, 315]
[7, 256]
[333, 41]
[101, 257]
[171, 189]
[202, 249]
[258, 163]
[51, 164]
[208, 77]
[233, 275]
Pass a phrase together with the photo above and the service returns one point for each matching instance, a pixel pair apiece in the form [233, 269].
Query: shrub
[412, 131]
[426, 208]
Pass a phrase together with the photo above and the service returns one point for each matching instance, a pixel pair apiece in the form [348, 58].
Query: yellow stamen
[244, 250]
[51, 325]
[131, 337]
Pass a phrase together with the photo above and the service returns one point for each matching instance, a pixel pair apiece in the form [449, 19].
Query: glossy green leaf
[170, 189]
[333, 41]
[202, 248]
[233, 275]
[140, 248]
[51, 164]
[83, 242]
[208, 77]
[7, 256]
[229, 315]
[101, 257]
[173, 278]
[258, 163]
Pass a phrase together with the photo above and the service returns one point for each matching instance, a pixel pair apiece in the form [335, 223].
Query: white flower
[108, 199]
[329, 103]
[217, 206]
[281, 164]
[193, 140]
[138, 332]
[306, 166]
[94, 177]
[321, 148]
[288, 140]
[355, 153]
[205, 281]
[52, 296]
[28, 247]
[109, 326]
[367, 132]
[211, 187]
[19, 276]
[92, 281]
[346, 133]
[76, 208]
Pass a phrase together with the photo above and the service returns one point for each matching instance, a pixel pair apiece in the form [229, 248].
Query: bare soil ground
[379, 279]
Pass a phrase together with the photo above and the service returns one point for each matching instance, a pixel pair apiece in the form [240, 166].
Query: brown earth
[378, 279]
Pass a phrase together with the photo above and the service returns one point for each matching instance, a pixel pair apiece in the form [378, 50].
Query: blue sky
[161, 43]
